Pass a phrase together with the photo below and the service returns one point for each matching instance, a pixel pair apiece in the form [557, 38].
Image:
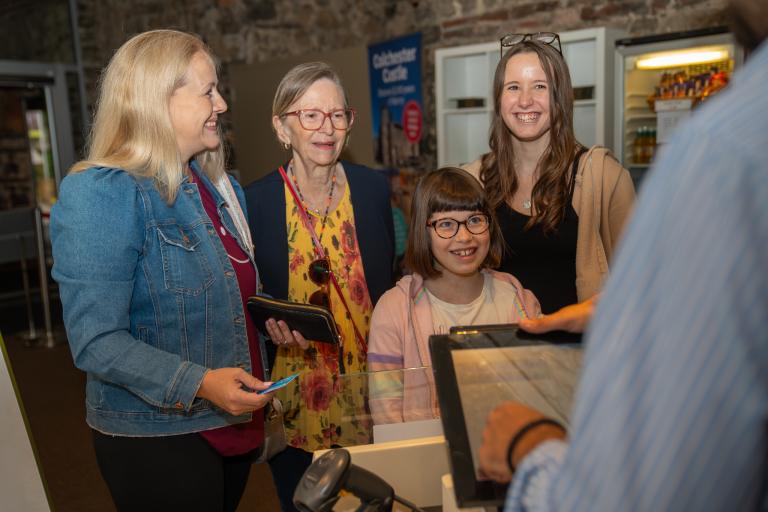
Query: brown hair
[550, 193]
[132, 127]
[749, 22]
[446, 189]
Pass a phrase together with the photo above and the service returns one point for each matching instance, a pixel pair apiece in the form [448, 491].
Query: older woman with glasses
[325, 236]
[561, 206]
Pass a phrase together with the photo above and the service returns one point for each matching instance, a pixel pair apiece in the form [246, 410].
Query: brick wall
[252, 31]
[36, 30]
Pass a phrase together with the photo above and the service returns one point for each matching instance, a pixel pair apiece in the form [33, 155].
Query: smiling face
[195, 107]
[525, 98]
[315, 148]
[464, 254]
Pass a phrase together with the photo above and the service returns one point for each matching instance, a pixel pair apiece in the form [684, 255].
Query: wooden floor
[52, 391]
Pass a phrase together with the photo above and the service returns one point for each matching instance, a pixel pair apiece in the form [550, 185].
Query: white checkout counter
[413, 461]
[410, 456]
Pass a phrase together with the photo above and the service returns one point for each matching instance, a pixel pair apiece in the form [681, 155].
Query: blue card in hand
[279, 384]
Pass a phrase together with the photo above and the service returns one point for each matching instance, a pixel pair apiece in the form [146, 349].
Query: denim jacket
[150, 301]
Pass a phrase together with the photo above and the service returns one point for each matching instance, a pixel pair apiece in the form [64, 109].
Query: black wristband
[520, 433]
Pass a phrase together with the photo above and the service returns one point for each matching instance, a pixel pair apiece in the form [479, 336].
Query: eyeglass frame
[459, 223]
[531, 37]
[352, 112]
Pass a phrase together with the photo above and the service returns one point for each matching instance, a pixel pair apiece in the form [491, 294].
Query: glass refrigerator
[660, 80]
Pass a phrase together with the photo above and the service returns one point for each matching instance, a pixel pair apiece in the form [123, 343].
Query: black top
[545, 263]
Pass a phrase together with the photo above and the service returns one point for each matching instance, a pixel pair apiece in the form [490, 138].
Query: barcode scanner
[319, 487]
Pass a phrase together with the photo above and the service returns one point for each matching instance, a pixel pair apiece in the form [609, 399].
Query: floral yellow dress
[324, 409]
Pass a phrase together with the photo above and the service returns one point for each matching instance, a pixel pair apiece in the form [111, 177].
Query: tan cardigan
[603, 200]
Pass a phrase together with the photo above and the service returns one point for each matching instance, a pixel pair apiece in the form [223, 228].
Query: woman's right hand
[224, 387]
[283, 336]
[573, 318]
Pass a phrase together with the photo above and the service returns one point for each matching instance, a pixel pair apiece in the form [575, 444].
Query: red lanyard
[321, 254]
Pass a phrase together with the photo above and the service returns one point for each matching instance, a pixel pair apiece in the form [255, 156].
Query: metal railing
[21, 236]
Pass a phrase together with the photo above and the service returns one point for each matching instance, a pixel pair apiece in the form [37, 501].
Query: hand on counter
[503, 424]
[573, 318]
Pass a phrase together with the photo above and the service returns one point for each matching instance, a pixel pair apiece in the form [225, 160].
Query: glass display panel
[542, 377]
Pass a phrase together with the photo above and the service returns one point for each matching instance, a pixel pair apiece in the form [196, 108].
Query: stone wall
[36, 30]
[252, 31]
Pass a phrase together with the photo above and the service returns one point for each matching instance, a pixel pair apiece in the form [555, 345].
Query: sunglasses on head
[548, 38]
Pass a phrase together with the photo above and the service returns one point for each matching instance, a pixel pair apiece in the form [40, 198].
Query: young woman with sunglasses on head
[561, 207]
[453, 242]
[324, 228]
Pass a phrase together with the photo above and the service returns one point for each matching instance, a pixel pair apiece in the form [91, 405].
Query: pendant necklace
[527, 204]
[317, 211]
[196, 181]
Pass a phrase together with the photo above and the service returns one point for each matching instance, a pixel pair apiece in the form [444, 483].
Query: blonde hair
[132, 127]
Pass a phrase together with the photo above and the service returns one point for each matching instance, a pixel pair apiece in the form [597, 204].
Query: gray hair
[298, 80]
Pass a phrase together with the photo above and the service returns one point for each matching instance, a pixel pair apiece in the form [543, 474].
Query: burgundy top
[242, 437]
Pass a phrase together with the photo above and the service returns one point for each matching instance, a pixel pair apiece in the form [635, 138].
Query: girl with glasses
[561, 206]
[453, 243]
[319, 222]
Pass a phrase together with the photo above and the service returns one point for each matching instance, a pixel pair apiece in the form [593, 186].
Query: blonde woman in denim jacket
[154, 262]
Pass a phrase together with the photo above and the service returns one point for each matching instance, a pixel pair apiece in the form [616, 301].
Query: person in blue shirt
[154, 262]
[670, 413]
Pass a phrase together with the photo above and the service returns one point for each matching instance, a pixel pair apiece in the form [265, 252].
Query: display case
[660, 80]
[464, 96]
[41, 125]
[41, 131]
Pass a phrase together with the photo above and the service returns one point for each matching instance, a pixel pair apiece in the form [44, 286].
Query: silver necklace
[527, 204]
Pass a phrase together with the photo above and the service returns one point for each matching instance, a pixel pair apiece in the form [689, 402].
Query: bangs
[454, 194]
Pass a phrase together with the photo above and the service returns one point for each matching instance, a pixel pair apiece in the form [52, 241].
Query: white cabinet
[464, 96]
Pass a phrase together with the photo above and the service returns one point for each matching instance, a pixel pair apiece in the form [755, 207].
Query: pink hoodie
[399, 338]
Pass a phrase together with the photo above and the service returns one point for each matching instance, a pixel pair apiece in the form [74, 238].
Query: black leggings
[287, 468]
[170, 473]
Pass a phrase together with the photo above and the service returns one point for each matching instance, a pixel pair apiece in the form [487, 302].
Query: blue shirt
[672, 406]
[150, 300]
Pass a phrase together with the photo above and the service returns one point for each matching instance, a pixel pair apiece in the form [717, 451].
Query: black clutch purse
[315, 323]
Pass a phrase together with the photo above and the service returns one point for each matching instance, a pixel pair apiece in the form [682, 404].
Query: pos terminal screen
[541, 377]
[475, 372]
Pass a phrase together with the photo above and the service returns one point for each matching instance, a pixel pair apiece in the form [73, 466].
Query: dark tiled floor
[52, 390]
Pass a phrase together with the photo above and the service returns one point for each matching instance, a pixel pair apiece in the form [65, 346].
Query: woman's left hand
[283, 336]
